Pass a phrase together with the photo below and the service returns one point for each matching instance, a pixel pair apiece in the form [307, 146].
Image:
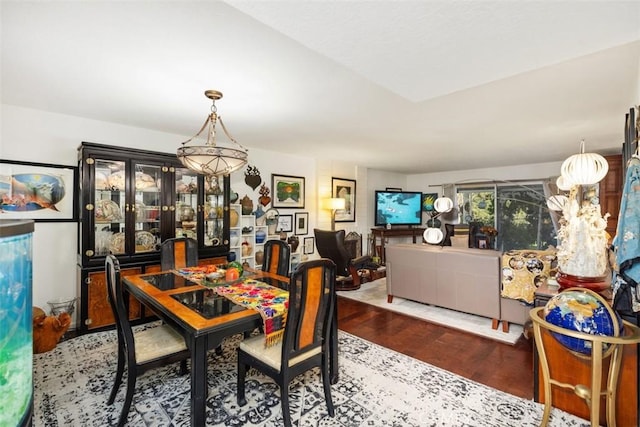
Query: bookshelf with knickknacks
[246, 238]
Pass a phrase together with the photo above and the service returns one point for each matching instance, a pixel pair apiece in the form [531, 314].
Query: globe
[584, 311]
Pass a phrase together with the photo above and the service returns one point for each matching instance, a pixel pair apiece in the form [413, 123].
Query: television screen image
[398, 208]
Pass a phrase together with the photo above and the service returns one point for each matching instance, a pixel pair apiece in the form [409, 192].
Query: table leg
[198, 380]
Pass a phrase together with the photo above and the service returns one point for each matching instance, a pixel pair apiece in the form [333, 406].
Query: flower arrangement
[582, 238]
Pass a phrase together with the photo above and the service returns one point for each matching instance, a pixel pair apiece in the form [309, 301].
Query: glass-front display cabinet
[130, 202]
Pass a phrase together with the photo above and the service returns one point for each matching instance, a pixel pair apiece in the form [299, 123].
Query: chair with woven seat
[277, 255]
[141, 350]
[178, 252]
[305, 343]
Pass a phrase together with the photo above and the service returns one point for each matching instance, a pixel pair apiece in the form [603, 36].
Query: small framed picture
[287, 191]
[482, 243]
[285, 223]
[309, 245]
[302, 223]
[428, 200]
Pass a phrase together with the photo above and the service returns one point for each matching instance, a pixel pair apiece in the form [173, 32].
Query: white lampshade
[584, 168]
[433, 236]
[443, 204]
[563, 183]
[557, 202]
[335, 203]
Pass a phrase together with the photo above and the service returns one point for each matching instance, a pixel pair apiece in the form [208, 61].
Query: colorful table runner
[271, 302]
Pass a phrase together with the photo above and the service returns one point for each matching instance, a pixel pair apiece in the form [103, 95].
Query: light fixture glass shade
[205, 156]
[209, 160]
[584, 168]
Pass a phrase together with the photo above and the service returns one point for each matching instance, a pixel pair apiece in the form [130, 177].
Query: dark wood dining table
[204, 319]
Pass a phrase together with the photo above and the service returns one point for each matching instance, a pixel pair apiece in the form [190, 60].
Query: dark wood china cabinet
[130, 201]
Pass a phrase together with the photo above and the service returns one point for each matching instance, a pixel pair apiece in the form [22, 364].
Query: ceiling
[405, 86]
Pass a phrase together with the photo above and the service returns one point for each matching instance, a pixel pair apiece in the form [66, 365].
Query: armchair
[330, 244]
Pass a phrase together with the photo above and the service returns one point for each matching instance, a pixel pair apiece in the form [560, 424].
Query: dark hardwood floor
[501, 366]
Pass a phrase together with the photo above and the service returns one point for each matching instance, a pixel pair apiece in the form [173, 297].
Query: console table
[383, 233]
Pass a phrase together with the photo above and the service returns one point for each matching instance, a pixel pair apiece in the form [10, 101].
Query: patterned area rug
[377, 387]
[375, 293]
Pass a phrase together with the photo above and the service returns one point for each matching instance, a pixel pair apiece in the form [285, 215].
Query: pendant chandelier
[208, 157]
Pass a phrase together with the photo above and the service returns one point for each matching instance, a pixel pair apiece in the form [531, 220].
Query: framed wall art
[345, 189]
[309, 245]
[428, 199]
[302, 223]
[288, 191]
[38, 191]
[285, 223]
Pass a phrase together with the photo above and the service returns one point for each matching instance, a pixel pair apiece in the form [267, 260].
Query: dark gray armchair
[330, 244]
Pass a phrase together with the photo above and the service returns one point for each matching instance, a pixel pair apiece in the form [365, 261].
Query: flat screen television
[398, 208]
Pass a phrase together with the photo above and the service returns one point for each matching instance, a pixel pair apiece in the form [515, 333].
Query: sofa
[462, 279]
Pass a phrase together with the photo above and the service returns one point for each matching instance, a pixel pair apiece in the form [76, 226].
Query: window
[517, 211]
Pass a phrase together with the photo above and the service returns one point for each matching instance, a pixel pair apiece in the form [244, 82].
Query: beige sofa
[467, 280]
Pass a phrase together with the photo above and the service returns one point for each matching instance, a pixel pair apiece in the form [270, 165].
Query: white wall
[38, 136]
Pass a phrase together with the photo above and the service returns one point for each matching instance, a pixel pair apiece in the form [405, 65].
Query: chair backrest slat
[277, 254]
[179, 252]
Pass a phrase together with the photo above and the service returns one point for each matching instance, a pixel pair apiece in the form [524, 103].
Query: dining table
[205, 318]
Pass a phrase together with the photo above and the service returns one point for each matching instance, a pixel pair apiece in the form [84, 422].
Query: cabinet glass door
[186, 199]
[213, 212]
[146, 207]
[109, 204]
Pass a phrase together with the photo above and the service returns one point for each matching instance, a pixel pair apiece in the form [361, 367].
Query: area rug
[375, 293]
[377, 387]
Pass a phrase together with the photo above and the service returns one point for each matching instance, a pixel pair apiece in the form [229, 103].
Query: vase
[261, 235]
[259, 257]
[294, 242]
[233, 218]
[246, 248]
[247, 205]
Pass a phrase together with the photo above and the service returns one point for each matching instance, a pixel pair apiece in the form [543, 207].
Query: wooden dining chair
[140, 350]
[277, 256]
[178, 252]
[305, 343]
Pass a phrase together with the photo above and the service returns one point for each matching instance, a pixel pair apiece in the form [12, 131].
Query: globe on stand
[584, 311]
